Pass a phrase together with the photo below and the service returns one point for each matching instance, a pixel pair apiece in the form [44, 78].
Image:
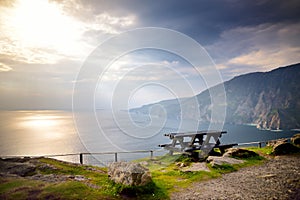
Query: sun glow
[45, 31]
[46, 126]
[40, 24]
[40, 121]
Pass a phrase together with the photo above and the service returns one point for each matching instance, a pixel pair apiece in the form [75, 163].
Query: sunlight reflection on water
[46, 126]
[38, 133]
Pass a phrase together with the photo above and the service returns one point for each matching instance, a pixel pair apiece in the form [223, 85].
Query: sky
[44, 46]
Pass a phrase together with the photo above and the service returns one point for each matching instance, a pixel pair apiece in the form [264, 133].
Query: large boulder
[272, 143]
[283, 148]
[218, 161]
[130, 174]
[239, 153]
[296, 139]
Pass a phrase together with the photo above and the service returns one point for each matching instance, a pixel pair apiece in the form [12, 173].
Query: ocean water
[48, 132]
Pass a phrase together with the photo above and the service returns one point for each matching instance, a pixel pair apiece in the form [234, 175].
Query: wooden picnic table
[198, 143]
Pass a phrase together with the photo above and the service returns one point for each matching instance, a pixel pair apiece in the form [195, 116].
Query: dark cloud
[240, 35]
[229, 29]
[201, 19]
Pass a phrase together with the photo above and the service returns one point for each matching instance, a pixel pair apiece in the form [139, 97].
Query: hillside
[45, 178]
[269, 99]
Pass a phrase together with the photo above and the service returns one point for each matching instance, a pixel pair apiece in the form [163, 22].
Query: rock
[195, 167]
[79, 178]
[17, 159]
[272, 143]
[45, 167]
[130, 174]
[296, 139]
[267, 176]
[239, 153]
[180, 164]
[51, 178]
[283, 148]
[20, 169]
[217, 161]
[144, 163]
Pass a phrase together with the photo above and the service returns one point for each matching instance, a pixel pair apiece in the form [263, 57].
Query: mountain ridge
[271, 100]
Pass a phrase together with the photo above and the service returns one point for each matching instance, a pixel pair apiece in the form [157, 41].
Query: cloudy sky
[44, 44]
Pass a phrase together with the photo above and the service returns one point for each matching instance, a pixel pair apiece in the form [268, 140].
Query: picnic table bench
[196, 144]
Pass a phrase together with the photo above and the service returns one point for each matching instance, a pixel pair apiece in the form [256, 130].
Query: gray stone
[180, 164]
[239, 153]
[20, 169]
[218, 161]
[144, 163]
[127, 173]
[51, 178]
[17, 159]
[195, 167]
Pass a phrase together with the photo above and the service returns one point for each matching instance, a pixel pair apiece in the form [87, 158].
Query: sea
[64, 134]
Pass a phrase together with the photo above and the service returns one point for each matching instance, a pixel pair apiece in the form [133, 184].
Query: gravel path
[278, 178]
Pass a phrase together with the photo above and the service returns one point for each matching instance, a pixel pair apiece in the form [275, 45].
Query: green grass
[225, 168]
[107, 187]
[166, 174]
[170, 178]
[103, 188]
[267, 150]
[19, 188]
[71, 190]
[8, 185]
[68, 168]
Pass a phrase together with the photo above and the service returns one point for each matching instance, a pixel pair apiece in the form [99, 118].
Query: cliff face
[271, 100]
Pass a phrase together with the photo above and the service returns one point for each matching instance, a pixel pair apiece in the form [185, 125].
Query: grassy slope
[167, 178]
[22, 188]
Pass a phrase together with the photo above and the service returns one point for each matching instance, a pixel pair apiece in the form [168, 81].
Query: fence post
[151, 154]
[116, 157]
[259, 144]
[81, 158]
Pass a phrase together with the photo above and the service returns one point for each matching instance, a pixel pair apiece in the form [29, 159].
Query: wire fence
[99, 158]
[259, 144]
[104, 158]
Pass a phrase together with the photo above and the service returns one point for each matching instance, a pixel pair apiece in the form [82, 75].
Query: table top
[191, 134]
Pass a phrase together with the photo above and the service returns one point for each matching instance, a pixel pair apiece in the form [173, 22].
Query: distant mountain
[269, 99]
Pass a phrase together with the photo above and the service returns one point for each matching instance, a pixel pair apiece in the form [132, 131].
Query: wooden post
[81, 158]
[151, 154]
[116, 157]
[173, 145]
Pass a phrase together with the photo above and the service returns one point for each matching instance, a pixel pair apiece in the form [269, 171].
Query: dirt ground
[277, 178]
